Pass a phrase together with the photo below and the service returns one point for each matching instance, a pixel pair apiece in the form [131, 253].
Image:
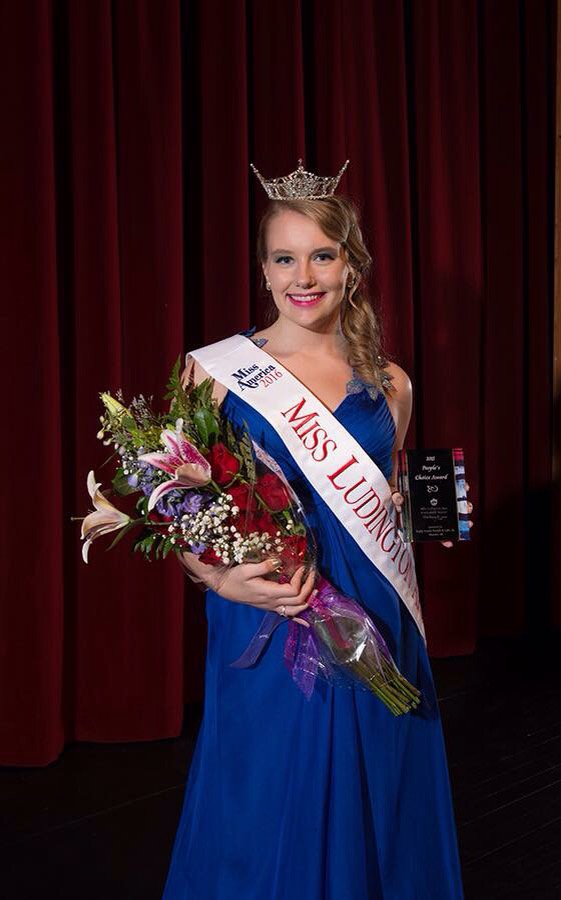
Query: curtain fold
[128, 238]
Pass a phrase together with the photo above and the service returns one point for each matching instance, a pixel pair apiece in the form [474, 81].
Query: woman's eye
[320, 256]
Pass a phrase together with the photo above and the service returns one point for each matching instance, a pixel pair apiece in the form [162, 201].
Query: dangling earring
[351, 283]
[268, 285]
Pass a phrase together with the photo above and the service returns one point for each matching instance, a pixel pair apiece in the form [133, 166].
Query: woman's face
[307, 270]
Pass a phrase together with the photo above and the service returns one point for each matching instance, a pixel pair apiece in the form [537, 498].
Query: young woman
[333, 798]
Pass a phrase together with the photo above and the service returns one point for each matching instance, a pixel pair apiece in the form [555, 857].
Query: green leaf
[141, 504]
[121, 534]
[167, 547]
[207, 426]
[120, 483]
[212, 425]
[246, 450]
[231, 439]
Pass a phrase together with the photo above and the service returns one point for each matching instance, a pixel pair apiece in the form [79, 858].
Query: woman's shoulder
[400, 399]
[398, 379]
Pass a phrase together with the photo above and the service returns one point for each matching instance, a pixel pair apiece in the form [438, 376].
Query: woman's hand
[398, 500]
[246, 583]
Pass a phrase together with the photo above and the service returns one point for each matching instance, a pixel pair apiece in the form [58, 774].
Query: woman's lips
[302, 299]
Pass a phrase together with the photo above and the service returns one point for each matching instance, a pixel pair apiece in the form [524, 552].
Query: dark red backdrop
[128, 222]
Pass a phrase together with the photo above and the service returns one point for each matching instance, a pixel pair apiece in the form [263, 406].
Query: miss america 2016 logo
[254, 376]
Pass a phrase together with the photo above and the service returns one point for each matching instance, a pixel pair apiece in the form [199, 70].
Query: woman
[332, 798]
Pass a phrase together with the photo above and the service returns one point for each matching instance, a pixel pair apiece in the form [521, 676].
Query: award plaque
[435, 503]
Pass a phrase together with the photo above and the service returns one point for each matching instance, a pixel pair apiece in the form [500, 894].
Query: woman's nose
[305, 276]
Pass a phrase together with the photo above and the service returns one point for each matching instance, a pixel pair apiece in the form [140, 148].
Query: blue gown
[333, 798]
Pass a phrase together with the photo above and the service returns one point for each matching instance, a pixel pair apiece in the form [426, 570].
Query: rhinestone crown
[300, 184]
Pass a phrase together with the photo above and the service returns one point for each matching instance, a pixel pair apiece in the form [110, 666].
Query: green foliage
[230, 438]
[120, 534]
[146, 541]
[154, 543]
[120, 483]
[246, 450]
[207, 426]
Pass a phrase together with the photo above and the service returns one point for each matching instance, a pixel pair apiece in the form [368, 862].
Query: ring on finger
[283, 610]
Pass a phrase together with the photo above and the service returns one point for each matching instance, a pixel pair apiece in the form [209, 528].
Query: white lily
[105, 519]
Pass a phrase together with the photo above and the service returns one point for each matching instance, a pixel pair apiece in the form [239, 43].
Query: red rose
[273, 492]
[159, 518]
[242, 497]
[265, 522]
[224, 464]
[262, 522]
[293, 552]
[210, 557]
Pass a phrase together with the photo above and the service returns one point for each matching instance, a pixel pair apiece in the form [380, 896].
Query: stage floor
[99, 822]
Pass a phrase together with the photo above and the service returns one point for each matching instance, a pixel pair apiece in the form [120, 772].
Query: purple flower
[191, 503]
[132, 480]
[197, 548]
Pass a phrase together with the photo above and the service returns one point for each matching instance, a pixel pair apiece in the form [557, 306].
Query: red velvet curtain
[128, 224]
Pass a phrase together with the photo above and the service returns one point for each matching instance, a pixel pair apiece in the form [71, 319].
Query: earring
[268, 285]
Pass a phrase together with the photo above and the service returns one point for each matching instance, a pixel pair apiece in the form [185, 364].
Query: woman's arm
[400, 402]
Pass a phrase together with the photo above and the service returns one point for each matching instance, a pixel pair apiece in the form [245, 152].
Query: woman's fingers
[308, 585]
[297, 603]
[259, 570]
[296, 580]
[299, 599]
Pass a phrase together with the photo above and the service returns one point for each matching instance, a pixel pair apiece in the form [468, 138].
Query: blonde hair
[338, 218]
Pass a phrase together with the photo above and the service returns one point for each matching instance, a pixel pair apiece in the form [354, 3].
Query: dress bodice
[364, 412]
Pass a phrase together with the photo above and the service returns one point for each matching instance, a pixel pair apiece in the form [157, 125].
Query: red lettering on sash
[346, 495]
[373, 496]
[339, 471]
[301, 420]
[305, 419]
[378, 523]
[325, 450]
[304, 433]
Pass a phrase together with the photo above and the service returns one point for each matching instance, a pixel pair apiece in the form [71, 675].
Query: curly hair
[338, 218]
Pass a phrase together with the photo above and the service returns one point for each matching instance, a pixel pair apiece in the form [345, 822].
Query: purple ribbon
[302, 654]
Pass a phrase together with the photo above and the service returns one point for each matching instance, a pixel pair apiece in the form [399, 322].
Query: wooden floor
[98, 824]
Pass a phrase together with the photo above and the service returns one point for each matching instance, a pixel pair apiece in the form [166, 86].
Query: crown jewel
[300, 184]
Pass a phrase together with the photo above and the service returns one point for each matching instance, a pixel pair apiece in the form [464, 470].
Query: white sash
[342, 473]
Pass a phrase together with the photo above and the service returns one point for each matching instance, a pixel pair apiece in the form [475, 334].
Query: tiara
[300, 185]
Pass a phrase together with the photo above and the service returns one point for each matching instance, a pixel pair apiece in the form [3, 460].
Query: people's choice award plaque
[435, 503]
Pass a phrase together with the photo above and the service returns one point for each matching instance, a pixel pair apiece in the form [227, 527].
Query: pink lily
[182, 460]
[106, 518]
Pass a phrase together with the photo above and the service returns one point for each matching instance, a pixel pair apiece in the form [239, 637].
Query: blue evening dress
[333, 798]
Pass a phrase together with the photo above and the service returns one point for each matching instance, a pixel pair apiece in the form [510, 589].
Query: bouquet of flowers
[207, 488]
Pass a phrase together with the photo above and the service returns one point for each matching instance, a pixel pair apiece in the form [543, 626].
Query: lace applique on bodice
[354, 385]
